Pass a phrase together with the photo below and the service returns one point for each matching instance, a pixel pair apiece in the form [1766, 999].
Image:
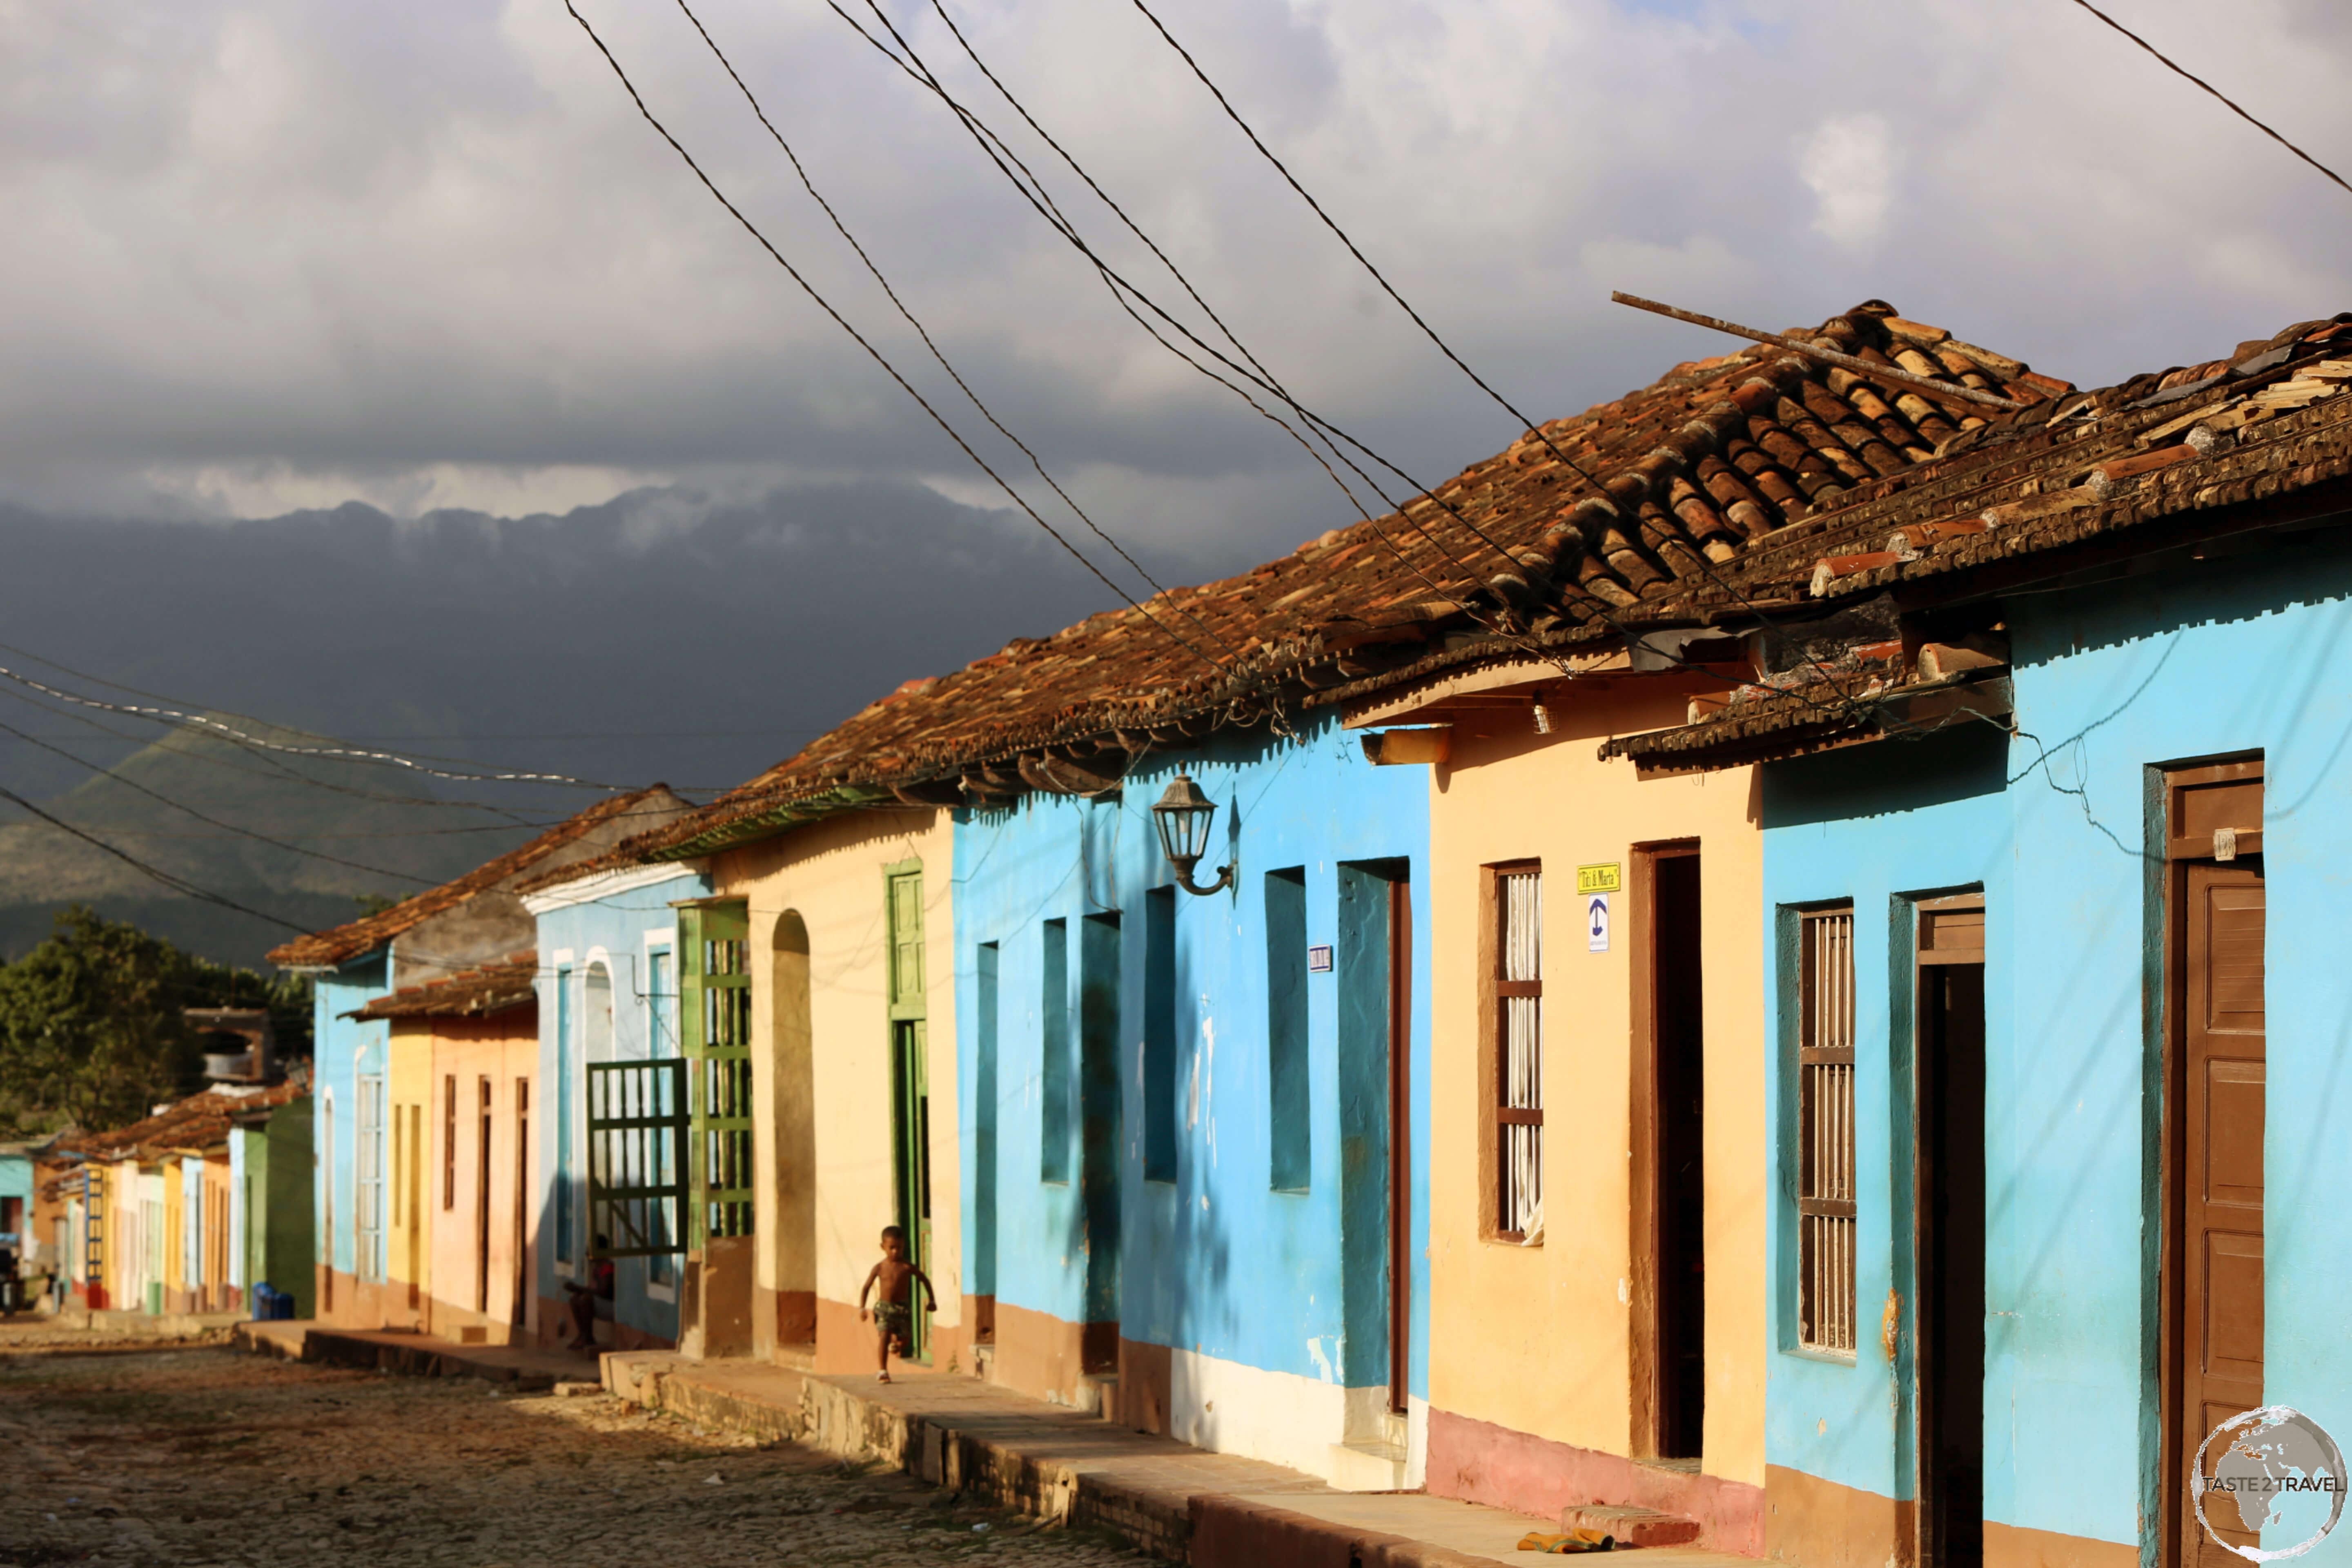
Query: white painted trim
[597, 885]
[1232, 1408]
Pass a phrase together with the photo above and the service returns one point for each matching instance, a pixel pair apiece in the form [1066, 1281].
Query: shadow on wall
[1962, 763]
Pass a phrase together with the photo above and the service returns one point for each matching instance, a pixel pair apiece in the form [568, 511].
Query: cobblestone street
[194, 1454]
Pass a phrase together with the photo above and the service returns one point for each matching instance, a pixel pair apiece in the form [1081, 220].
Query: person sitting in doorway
[583, 1298]
[894, 1306]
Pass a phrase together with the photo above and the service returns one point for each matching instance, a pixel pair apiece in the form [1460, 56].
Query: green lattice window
[715, 1030]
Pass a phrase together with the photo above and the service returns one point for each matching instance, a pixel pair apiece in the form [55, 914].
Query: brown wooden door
[2221, 1039]
[1399, 957]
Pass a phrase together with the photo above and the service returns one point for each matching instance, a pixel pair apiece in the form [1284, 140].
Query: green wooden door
[715, 1034]
[911, 1098]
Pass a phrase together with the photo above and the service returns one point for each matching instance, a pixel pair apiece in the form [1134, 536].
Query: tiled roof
[475, 993]
[199, 1121]
[326, 949]
[2162, 461]
[1521, 550]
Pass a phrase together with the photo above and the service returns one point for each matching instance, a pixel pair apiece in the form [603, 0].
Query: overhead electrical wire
[2162, 59]
[1697, 556]
[279, 772]
[1121, 288]
[176, 883]
[351, 753]
[924, 333]
[214, 820]
[875, 355]
[1033, 190]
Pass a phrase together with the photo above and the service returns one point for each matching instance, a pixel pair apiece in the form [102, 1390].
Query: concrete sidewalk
[411, 1354]
[1179, 1503]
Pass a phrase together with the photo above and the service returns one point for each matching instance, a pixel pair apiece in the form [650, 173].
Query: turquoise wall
[343, 1048]
[2237, 654]
[645, 1026]
[1215, 1261]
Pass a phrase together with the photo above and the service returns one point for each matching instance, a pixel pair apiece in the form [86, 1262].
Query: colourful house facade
[607, 962]
[1194, 1125]
[476, 919]
[461, 1210]
[2044, 1215]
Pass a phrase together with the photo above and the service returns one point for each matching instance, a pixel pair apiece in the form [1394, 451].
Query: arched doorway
[794, 1170]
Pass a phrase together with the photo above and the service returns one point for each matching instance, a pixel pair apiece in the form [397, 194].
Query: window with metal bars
[370, 1181]
[1825, 1175]
[1517, 981]
[449, 1140]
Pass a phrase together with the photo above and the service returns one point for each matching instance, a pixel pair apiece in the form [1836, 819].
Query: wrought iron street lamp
[1183, 816]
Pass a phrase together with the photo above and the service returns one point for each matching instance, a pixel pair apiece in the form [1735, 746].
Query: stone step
[1629, 1526]
[1369, 1466]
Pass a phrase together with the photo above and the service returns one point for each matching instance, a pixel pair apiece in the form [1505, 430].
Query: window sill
[1827, 1358]
[1514, 1240]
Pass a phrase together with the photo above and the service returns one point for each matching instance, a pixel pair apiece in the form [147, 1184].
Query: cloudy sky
[274, 254]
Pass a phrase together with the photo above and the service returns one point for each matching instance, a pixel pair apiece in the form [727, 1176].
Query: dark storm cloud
[284, 254]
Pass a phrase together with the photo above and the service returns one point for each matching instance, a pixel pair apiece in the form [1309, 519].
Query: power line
[205, 722]
[1121, 288]
[1697, 555]
[874, 354]
[921, 331]
[1041, 200]
[177, 884]
[215, 822]
[2216, 92]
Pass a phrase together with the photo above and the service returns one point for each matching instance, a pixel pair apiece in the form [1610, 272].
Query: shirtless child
[893, 1313]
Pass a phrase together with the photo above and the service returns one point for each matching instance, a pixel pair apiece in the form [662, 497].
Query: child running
[893, 1313]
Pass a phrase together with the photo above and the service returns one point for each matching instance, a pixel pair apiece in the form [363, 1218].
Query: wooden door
[1947, 1190]
[1668, 1210]
[910, 1086]
[518, 1307]
[1400, 1174]
[2221, 1194]
[482, 1202]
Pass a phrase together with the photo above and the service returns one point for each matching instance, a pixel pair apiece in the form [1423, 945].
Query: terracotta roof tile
[2160, 461]
[474, 993]
[1519, 550]
[199, 1121]
[340, 944]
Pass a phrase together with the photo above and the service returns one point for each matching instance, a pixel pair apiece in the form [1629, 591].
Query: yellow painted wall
[175, 1225]
[831, 873]
[1537, 1339]
[409, 1141]
[504, 1048]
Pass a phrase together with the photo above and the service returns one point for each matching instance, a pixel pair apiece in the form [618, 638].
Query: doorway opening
[482, 1198]
[2215, 1067]
[518, 1311]
[1947, 1192]
[1374, 961]
[910, 1087]
[1669, 1136]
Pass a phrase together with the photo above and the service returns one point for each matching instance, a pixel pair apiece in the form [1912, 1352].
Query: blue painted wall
[643, 980]
[2241, 654]
[1215, 1261]
[16, 1182]
[344, 1048]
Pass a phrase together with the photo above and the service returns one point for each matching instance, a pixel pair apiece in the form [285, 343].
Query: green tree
[91, 1032]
